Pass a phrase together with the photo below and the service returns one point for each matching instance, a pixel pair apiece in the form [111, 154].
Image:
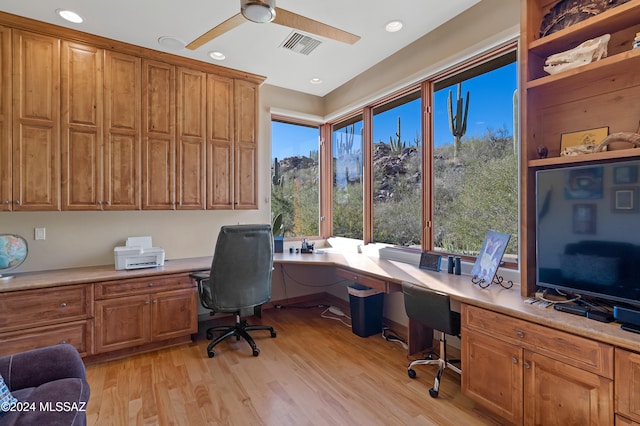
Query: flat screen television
[588, 230]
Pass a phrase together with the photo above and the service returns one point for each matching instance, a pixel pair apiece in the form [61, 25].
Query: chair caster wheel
[412, 373]
[273, 334]
[209, 335]
[256, 352]
[433, 393]
[211, 354]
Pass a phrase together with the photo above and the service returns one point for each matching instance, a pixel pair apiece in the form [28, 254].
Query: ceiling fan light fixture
[260, 11]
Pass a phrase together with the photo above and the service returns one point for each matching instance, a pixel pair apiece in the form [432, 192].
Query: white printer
[138, 253]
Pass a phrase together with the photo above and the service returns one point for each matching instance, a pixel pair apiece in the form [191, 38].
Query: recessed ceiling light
[315, 81]
[171, 43]
[218, 56]
[393, 26]
[70, 16]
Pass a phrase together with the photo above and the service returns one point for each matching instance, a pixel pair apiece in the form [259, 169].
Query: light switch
[40, 233]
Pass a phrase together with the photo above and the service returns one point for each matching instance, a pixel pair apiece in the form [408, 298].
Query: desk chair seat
[432, 309]
[239, 281]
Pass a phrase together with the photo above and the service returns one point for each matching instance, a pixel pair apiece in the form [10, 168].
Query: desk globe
[13, 251]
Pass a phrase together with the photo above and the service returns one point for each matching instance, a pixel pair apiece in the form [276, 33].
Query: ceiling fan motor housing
[260, 11]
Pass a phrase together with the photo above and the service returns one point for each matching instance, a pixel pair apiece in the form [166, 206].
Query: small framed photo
[584, 218]
[488, 260]
[625, 175]
[625, 200]
[583, 137]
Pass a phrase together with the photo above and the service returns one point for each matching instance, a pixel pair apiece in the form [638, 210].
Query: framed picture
[583, 184]
[625, 200]
[584, 218]
[583, 137]
[625, 175]
[490, 256]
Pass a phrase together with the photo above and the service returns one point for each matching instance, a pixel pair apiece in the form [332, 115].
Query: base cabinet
[136, 312]
[532, 375]
[627, 387]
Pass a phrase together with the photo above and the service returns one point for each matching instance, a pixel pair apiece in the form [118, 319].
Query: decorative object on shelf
[13, 251]
[543, 151]
[636, 42]
[430, 261]
[585, 53]
[488, 260]
[568, 12]
[620, 140]
[582, 142]
[625, 199]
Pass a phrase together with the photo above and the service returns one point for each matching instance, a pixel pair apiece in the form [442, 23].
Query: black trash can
[366, 310]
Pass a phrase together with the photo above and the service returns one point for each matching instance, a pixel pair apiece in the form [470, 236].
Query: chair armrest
[204, 294]
[38, 366]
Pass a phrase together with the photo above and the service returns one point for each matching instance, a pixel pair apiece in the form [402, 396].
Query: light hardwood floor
[315, 372]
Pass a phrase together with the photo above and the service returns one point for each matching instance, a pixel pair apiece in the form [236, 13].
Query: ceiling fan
[263, 11]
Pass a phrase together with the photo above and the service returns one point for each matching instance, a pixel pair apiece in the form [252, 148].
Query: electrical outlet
[40, 233]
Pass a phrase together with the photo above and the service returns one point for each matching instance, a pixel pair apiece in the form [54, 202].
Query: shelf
[585, 158]
[609, 21]
[594, 71]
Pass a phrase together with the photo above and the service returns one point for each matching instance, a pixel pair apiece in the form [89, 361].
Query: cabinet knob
[146, 302]
[63, 305]
[355, 278]
[107, 203]
[150, 284]
[5, 201]
[17, 202]
[514, 360]
[526, 365]
[63, 341]
[154, 301]
[520, 334]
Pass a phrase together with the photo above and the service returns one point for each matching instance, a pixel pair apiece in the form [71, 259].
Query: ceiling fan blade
[216, 31]
[299, 22]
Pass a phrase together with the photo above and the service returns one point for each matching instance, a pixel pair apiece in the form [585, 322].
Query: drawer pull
[520, 334]
[154, 301]
[62, 342]
[514, 360]
[146, 302]
[63, 305]
[150, 284]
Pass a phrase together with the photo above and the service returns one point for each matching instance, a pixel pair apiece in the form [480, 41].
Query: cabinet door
[492, 374]
[36, 122]
[191, 138]
[628, 384]
[122, 323]
[246, 145]
[122, 132]
[158, 136]
[5, 119]
[81, 127]
[559, 394]
[174, 314]
[220, 138]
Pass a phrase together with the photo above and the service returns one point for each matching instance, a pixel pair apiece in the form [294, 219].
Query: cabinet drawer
[365, 280]
[578, 351]
[32, 308]
[109, 289]
[78, 334]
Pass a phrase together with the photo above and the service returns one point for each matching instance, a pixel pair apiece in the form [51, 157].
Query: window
[348, 178]
[397, 171]
[475, 157]
[295, 176]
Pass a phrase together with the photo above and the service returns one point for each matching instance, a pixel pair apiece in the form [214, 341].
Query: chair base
[443, 362]
[240, 329]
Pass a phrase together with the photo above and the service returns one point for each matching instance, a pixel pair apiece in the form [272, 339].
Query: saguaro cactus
[396, 143]
[458, 122]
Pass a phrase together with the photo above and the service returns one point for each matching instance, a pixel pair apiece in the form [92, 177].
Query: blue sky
[490, 107]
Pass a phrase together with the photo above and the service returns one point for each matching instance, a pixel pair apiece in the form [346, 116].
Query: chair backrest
[431, 308]
[241, 268]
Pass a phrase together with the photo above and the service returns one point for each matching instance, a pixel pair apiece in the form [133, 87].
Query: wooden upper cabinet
[82, 128]
[220, 138]
[36, 122]
[246, 116]
[5, 119]
[191, 125]
[158, 136]
[122, 75]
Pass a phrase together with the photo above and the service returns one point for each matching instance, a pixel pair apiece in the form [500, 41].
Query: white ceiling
[255, 48]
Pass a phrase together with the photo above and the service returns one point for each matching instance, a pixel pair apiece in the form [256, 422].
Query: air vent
[300, 43]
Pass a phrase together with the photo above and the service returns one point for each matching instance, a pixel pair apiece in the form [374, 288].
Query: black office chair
[239, 281]
[432, 308]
